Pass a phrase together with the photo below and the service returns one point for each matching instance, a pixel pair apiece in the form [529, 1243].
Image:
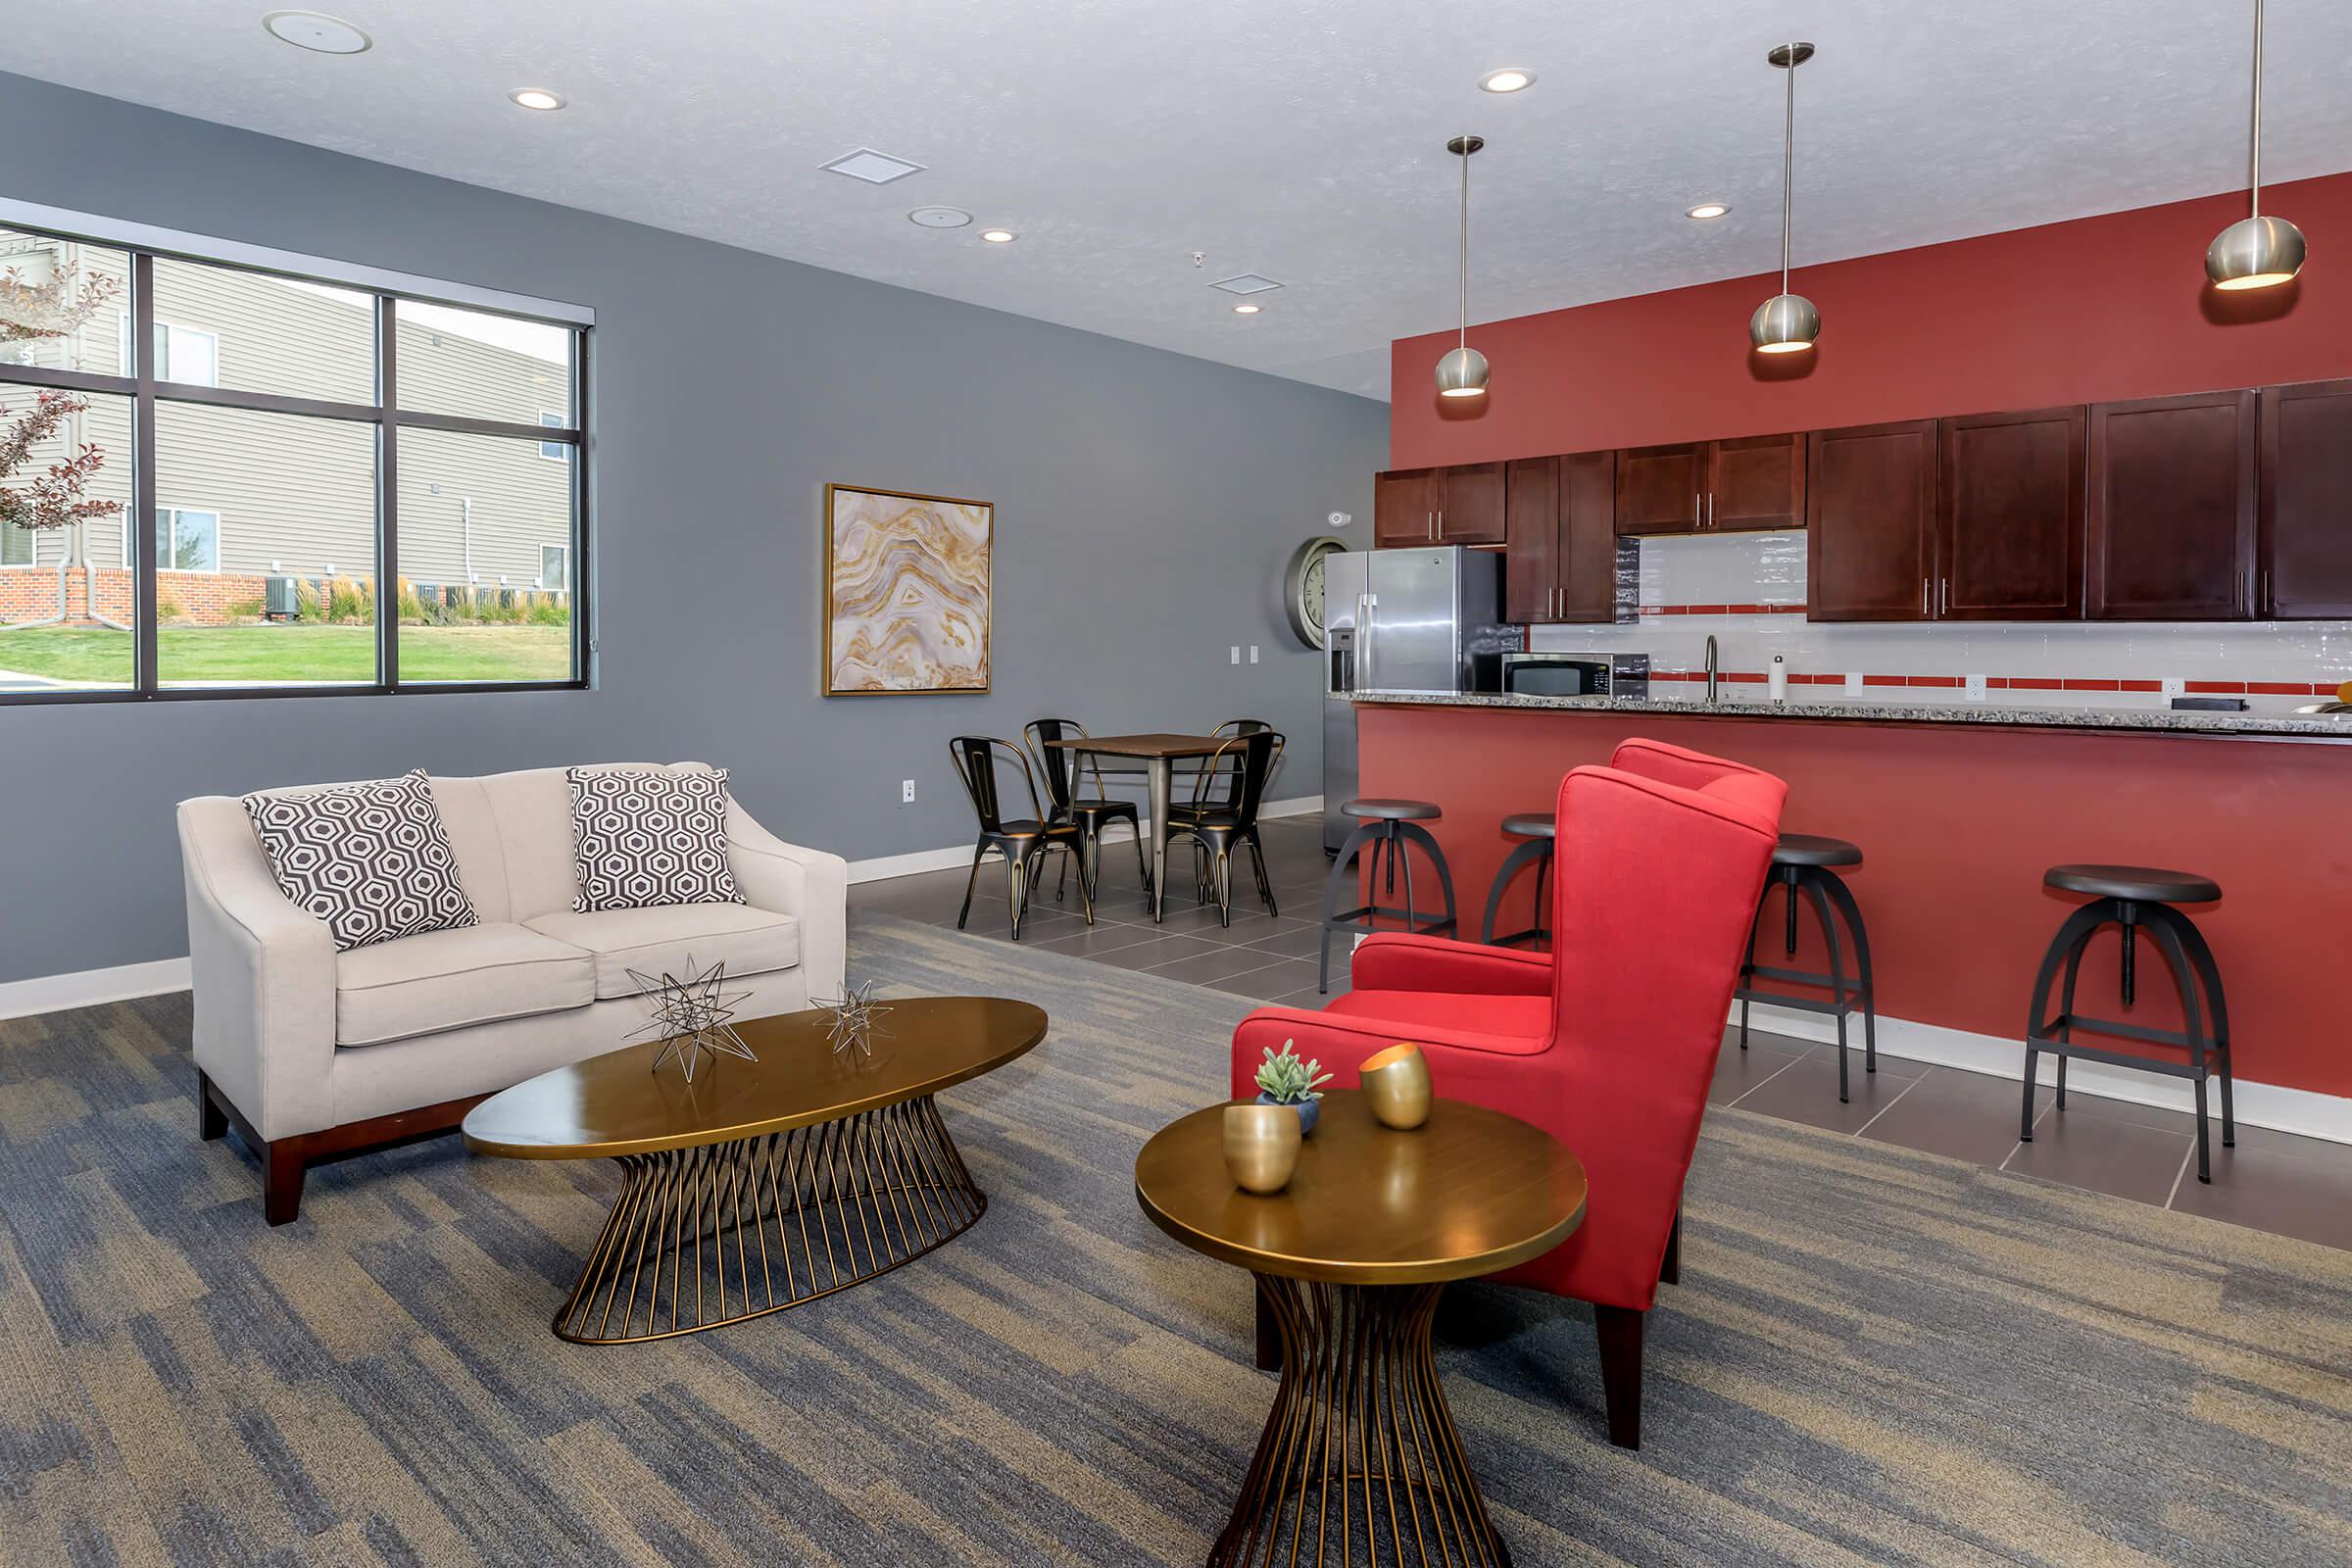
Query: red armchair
[1609, 1040]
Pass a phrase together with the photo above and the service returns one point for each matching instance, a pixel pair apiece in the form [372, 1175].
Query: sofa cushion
[371, 860]
[666, 939]
[646, 836]
[449, 979]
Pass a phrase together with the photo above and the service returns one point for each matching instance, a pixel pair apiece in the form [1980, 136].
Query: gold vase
[1261, 1146]
[1396, 1083]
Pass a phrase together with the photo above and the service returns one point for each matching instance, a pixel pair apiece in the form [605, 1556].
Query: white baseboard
[956, 856]
[2288, 1110]
[55, 993]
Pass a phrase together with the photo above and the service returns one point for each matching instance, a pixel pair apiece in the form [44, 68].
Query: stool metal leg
[1536, 850]
[1843, 897]
[2066, 1003]
[2168, 942]
[1810, 880]
[2201, 956]
[1415, 833]
[1342, 869]
[1747, 971]
[2071, 935]
[1397, 852]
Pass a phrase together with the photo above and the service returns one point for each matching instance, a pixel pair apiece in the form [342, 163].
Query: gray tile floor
[2271, 1181]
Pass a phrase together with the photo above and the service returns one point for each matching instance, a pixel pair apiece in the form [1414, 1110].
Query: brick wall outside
[197, 598]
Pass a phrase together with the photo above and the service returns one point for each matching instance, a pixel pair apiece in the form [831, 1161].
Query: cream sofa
[316, 1054]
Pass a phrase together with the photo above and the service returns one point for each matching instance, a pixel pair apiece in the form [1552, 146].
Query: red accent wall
[1956, 827]
[2079, 311]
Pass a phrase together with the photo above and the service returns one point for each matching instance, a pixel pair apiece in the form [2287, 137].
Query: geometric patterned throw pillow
[372, 860]
[641, 836]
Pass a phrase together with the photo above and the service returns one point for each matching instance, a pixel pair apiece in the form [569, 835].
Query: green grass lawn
[265, 655]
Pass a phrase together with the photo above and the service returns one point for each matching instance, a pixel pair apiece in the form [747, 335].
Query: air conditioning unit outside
[278, 601]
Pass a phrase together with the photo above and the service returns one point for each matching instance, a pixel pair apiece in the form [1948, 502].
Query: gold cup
[1396, 1083]
[1261, 1146]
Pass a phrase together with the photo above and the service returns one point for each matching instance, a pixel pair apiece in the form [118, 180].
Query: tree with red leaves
[55, 498]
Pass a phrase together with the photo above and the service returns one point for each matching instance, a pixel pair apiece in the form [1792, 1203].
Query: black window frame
[146, 392]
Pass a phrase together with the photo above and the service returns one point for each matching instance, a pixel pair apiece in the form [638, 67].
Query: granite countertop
[2159, 720]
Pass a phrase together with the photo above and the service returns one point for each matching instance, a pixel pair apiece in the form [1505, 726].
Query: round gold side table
[1360, 1460]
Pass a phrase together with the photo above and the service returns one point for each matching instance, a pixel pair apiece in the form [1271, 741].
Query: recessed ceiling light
[1248, 310]
[999, 236]
[318, 32]
[875, 169]
[537, 98]
[1245, 283]
[1510, 78]
[1706, 210]
[940, 216]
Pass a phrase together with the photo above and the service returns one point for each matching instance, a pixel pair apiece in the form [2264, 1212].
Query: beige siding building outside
[249, 495]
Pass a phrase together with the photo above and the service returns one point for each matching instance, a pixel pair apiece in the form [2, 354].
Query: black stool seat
[1531, 825]
[1810, 849]
[1380, 809]
[2141, 884]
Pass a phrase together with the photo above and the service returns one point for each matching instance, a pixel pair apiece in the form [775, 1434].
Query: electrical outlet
[2176, 686]
[906, 792]
[1854, 683]
[1236, 652]
[1976, 688]
[1253, 653]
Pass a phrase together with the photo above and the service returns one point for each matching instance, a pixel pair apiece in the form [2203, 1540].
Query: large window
[220, 479]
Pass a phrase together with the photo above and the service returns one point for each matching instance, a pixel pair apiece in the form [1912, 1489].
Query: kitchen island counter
[1957, 817]
[2132, 720]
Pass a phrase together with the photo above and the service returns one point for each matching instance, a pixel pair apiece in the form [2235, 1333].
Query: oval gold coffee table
[762, 1185]
[1359, 1459]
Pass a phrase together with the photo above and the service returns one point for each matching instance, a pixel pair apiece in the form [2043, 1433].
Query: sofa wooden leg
[284, 1164]
[1670, 1271]
[1269, 1336]
[211, 1121]
[1620, 1332]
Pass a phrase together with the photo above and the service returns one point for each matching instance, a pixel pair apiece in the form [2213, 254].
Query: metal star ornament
[690, 1016]
[854, 1014]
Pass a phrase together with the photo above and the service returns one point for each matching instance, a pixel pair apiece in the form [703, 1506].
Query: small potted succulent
[1285, 1080]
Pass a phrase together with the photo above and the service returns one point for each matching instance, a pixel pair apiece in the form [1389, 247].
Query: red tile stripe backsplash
[2023, 683]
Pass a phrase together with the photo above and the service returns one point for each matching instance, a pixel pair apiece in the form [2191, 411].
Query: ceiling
[1302, 139]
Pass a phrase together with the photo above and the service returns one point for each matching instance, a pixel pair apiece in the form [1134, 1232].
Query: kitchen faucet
[1710, 666]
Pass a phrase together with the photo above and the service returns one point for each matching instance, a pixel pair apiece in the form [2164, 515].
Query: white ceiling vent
[1245, 283]
[875, 169]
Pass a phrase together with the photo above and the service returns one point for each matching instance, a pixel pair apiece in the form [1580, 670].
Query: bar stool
[1388, 826]
[1538, 828]
[2133, 897]
[1801, 864]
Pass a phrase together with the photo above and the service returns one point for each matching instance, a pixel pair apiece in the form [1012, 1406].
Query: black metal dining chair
[1218, 821]
[1021, 841]
[1065, 772]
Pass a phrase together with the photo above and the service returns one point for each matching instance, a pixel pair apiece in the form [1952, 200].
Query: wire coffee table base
[719, 1233]
[1360, 1460]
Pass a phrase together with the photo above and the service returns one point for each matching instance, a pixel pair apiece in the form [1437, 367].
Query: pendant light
[2255, 252]
[1462, 373]
[1787, 323]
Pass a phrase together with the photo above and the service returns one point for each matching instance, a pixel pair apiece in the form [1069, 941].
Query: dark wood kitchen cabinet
[2009, 539]
[2306, 503]
[1871, 520]
[2170, 518]
[1462, 505]
[1748, 485]
[1560, 559]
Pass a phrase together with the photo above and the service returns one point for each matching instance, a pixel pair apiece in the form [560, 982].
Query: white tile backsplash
[1768, 569]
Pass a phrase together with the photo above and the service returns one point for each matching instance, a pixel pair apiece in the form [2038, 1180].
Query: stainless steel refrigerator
[1413, 621]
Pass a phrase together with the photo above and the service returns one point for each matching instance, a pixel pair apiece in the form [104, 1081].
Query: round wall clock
[1303, 588]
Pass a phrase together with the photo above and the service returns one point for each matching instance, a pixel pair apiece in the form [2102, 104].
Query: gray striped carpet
[1876, 1358]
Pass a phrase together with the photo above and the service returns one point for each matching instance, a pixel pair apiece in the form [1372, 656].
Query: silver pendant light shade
[1787, 323]
[1462, 372]
[2255, 252]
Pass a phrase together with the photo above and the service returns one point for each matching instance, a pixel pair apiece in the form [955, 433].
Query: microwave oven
[1573, 674]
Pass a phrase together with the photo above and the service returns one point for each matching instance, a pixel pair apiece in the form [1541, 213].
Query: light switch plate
[1854, 683]
[1253, 653]
[1236, 652]
[2176, 686]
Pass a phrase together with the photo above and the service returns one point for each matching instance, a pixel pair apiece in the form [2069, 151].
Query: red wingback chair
[1609, 1042]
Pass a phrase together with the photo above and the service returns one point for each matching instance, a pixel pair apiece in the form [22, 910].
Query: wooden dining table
[1159, 754]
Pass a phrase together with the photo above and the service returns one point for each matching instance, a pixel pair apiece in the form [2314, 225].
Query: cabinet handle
[1923, 610]
[1710, 508]
[1944, 596]
[2265, 605]
[1697, 512]
[1441, 530]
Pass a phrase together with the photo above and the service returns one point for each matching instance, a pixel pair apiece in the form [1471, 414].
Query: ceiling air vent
[875, 169]
[1245, 283]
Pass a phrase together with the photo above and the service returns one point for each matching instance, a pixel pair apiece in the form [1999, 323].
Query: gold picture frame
[910, 593]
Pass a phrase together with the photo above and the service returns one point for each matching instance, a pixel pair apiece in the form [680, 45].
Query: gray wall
[1145, 501]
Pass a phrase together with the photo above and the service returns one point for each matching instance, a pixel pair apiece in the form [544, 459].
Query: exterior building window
[338, 545]
[187, 540]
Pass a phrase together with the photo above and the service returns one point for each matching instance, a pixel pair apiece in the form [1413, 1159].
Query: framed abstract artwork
[909, 580]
